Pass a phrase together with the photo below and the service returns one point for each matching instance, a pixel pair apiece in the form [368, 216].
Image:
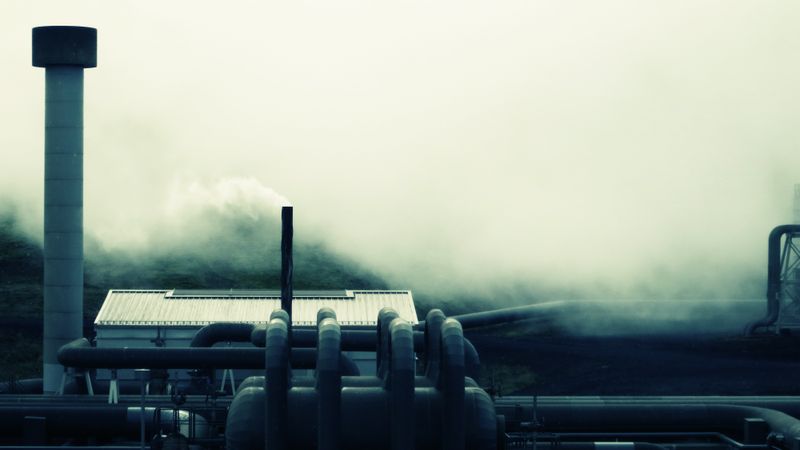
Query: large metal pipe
[95, 420]
[773, 277]
[64, 52]
[656, 417]
[365, 340]
[542, 311]
[364, 419]
[451, 383]
[329, 382]
[80, 353]
[222, 332]
[276, 402]
[521, 407]
[385, 316]
[400, 383]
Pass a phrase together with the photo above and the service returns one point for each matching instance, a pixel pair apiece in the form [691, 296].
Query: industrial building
[171, 318]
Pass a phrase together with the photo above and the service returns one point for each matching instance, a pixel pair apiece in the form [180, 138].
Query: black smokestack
[286, 261]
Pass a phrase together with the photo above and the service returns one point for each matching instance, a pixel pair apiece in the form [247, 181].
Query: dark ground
[700, 364]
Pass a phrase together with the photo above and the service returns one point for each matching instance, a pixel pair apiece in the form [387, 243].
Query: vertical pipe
[401, 385]
[329, 382]
[433, 342]
[451, 383]
[64, 52]
[276, 414]
[287, 265]
[385, 317]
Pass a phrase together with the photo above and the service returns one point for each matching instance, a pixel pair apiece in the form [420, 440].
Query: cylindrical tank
[365, 419]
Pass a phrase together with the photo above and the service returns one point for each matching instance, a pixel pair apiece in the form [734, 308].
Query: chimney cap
[65, 45]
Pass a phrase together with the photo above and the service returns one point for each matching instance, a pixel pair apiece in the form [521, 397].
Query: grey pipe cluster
[394, 410]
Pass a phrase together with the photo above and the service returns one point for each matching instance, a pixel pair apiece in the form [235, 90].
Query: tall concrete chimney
[64, 52]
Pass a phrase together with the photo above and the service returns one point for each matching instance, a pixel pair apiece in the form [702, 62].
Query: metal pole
[142, 375]
[64, 52]
[287, 265]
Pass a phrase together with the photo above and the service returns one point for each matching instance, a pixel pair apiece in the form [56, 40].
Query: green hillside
[247, 257]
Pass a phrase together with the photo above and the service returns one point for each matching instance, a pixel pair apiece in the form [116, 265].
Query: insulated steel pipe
[451, 383]
[542, 311]
[64, 52]
[657, 417]
[385, 317]
[366, 340]
[95, 420]
[276, 402]
[400, 383]
[352, 340]
[329, 381]
[364, 419]
[80, 353]
[433, 332]
[222, 332]
[773, 277]
[401, 411]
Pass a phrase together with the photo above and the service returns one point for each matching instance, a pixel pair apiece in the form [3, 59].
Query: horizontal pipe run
[222, 332]
[352, 340]
[94, 420]
[654, 417]
[543, 311]
[600, 445]
[366, 340]
[79, 353]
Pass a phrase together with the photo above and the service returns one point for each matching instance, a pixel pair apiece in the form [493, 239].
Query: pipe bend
[277, 385]
[222, 332]
[330, 343]
[324, 313]
[472, 361]
[385, 317]
[277, 346]
[452, 384]
[432, 338]
[400, 383]
[329, 382]
[773, 277]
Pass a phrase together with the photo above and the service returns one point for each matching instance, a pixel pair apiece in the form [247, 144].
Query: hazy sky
[446, 144]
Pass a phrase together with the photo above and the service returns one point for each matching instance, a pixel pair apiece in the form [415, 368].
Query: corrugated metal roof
[265, 293]
[161, 308]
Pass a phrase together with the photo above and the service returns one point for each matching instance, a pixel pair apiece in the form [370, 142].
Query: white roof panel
[175, 308]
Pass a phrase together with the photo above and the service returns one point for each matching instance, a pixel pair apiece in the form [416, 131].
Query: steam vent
[63, 52]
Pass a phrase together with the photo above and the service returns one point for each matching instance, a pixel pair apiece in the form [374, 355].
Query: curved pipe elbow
[773, 277]
[400, 379]
[222, 332]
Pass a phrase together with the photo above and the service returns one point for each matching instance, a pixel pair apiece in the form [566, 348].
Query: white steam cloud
[590, 149]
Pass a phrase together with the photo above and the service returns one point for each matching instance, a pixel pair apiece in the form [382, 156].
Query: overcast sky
[445, 144]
